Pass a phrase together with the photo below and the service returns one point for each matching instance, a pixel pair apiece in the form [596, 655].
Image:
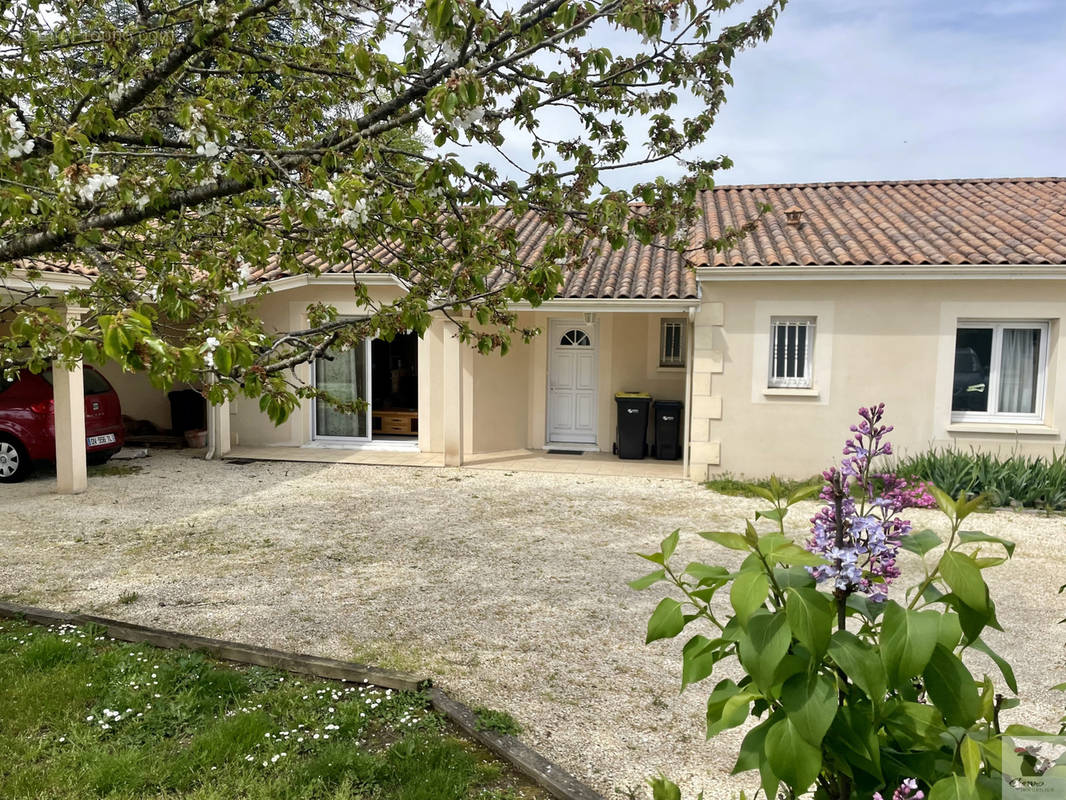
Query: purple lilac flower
[862, 551]
[908, 790]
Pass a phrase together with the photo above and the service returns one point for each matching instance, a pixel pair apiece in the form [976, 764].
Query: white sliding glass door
[345, 375]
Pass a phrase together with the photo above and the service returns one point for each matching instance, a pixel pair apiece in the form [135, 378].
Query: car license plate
[107, 438]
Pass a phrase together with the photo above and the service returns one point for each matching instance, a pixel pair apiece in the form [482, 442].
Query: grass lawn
[84, 716]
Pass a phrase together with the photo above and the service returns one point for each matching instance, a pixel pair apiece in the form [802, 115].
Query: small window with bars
[672, 343]
[791, 340]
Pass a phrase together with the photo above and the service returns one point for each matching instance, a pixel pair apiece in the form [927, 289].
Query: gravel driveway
[507, 588]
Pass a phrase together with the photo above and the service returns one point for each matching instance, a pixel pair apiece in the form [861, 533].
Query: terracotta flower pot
[196, 439]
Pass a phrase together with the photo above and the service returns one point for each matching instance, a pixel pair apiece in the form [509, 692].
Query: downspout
[213, 449]
[689, 350]
[214, 413]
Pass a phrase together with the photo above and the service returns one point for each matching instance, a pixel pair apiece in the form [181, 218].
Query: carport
[68, 383]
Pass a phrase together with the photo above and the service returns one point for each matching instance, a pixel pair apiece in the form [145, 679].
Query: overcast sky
[882, 89]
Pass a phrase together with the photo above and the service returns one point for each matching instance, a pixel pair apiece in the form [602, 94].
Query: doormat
[240, 462]
[566, 452]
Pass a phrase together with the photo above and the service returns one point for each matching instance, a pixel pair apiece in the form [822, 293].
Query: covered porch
[557, 392]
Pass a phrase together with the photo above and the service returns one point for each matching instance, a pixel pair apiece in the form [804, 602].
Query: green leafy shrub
[1028, 481]
[854, 693]
[730, 485]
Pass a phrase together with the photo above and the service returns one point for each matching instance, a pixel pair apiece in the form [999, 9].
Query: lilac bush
[852, 694]
[861, 538]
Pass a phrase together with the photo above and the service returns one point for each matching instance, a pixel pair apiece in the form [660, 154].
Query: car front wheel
[15, 462]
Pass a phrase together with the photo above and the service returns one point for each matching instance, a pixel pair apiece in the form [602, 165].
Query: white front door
[572, 381]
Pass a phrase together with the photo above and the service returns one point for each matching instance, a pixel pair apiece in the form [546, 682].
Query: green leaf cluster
[176, 160]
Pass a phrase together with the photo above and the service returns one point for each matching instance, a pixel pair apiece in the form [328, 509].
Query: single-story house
[942, 298]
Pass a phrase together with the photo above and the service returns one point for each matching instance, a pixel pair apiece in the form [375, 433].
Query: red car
[27, 422]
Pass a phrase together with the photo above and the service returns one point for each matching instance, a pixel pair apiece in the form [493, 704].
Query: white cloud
[889, 91]
[865, 89]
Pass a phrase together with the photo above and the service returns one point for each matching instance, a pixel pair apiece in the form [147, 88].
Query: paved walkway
[337, 455]
[603, 464]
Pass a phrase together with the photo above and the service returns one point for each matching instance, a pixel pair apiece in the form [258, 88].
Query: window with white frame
[672, 343]
[1000, 371]
[791, 345]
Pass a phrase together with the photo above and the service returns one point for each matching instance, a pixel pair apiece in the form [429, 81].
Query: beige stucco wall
[875, 341]
[430, 402]
[500, 396]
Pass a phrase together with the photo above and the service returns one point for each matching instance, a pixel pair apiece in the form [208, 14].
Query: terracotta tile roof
[636, 271]
[71, 267]
[993, 222]
[981, 222]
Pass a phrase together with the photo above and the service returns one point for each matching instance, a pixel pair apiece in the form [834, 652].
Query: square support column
[68, 390]
[453, 398]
